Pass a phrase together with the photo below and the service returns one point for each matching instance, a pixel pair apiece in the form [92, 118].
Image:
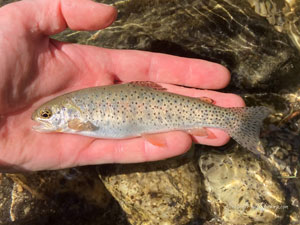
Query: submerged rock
[73, 196]
[283, 15]
[241, 190]
[229, 32]
[165, 192]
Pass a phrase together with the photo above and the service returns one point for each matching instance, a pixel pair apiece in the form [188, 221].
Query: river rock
[241, 189]
[56, 197]
[165, 192]
[229, 32]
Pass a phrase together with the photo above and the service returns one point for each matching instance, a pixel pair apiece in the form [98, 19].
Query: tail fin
[249, 121]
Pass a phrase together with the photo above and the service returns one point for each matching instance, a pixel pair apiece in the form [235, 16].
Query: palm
[40, 68]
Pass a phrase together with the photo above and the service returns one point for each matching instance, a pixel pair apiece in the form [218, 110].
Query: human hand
[35, 68]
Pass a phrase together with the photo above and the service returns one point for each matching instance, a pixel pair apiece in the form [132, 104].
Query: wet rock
[294, 189]
[73, 196]
[165, 192]
[241, 189]
[283, 15]
[281, 135]
[281, 132]
[4, 2]
[229, 32]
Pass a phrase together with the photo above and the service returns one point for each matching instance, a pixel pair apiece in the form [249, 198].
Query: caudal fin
[249, 121]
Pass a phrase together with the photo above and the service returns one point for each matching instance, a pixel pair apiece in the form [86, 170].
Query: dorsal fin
[149, 84]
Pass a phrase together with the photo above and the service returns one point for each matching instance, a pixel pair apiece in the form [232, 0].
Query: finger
[131, 65]
[53, 16]
[134, 150]
[137, 65]
[67, 150]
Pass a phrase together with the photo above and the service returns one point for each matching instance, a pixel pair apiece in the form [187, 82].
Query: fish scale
[138, 108]
[148, 111]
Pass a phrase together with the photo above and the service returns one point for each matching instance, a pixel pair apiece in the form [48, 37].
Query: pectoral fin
[155, 139]
[78, 125]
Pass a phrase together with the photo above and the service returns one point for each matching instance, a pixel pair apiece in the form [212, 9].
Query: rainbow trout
[138, 108]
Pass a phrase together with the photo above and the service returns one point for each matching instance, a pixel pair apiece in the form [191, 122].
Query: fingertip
[87, 15]
[225, 74]
[212, 75]
[112, 14]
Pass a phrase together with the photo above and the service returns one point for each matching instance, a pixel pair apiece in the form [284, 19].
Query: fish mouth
[43, 126]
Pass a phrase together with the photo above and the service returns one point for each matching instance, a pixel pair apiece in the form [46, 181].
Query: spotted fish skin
[137, 108]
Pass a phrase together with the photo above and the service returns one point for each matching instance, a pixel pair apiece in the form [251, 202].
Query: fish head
[51, 117]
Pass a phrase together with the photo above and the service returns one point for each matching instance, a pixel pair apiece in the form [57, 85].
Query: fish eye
[46, 113]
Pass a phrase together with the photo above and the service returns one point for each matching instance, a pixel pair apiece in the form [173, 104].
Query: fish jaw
[44, 127]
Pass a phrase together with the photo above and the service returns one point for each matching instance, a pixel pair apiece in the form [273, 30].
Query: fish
[144, 108]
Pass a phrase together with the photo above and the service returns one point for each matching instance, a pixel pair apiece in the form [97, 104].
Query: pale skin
[35, 68]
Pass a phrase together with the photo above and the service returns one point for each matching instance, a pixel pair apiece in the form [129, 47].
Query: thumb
[86, 14]
[53, 16]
